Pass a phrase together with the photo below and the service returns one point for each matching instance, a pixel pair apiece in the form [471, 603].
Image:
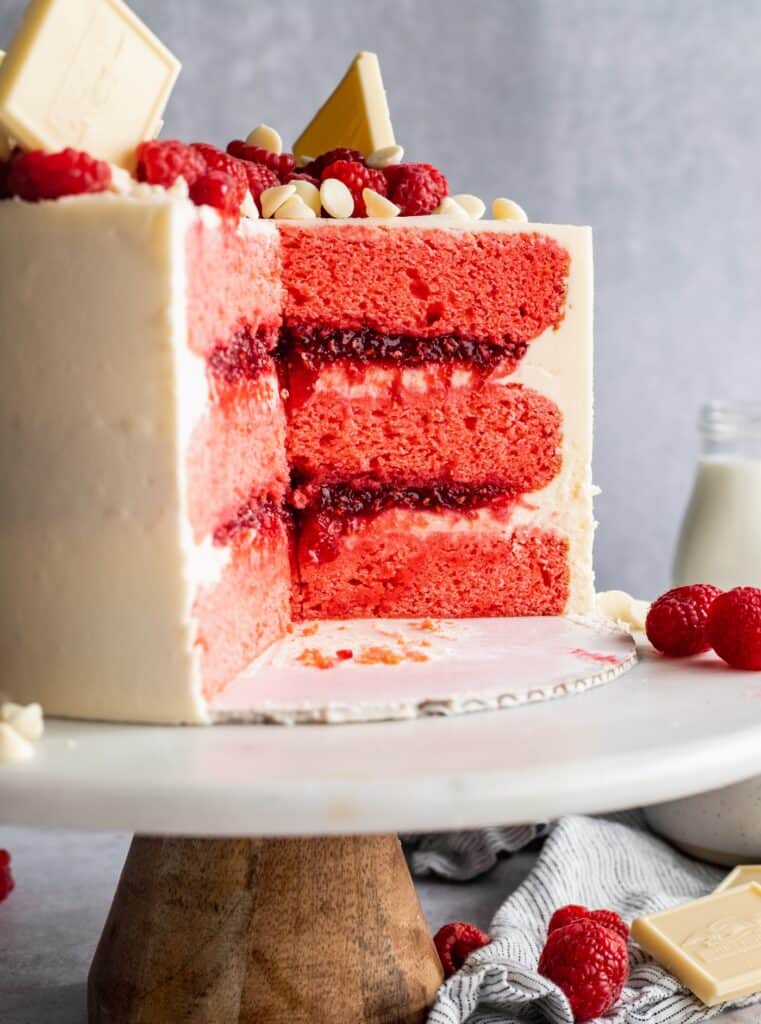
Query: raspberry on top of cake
[295, 385]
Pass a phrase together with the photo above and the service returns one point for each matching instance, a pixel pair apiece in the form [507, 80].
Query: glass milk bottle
[720, 542]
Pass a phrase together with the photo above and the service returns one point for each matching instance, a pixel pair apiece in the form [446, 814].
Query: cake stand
[312, 916]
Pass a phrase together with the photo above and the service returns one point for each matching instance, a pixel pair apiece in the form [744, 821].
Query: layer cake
[209, 431]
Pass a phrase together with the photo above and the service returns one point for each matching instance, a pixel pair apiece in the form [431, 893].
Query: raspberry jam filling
[263, 518]
[244, 357]
[324, 513]
[304, 349]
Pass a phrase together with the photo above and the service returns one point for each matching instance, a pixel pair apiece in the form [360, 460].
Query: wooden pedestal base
[264, 931]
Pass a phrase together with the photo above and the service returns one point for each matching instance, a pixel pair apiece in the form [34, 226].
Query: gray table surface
[64, 883]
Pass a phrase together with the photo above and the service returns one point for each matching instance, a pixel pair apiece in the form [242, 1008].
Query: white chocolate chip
[13, 747]
[473, 206]
[273, 198]
[310, 194]
[26, 719]
[265, 137]
[336, 198]
[385, 157]
[248, 207]
[378, 205]
[506, 209]
[623, 608]
[449, 207]
[295, 209]
[303, 160]
[121, 181]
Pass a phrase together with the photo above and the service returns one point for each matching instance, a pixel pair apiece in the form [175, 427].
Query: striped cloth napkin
[612, 862]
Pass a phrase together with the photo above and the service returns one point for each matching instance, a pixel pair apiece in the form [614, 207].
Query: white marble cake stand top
[662, 730]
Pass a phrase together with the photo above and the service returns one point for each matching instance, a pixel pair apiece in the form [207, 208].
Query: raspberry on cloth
[584, 970]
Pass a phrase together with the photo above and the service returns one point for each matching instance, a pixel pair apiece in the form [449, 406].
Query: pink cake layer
[233, 280]
[384, 566]
[238, 447]
[426, 281]
[431, 421]
[249, 607]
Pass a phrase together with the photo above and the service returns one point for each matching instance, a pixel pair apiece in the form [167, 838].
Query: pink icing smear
[602, 659]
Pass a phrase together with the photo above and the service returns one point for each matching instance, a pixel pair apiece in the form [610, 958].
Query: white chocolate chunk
[248, 207]
[506, 209]
[449, 207]
[26, 719]
[85, 74]
[310, 194]
[378, 205]
[302, 160]
[265, 137]
[622, 607]
[473, 206]
[271, 199]
[295, 209]
[336, 198]
[387, 156]
[13, 747]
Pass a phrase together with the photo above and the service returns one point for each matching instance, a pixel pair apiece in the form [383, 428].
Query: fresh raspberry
[218, 160]
[356, 177]
[300, 176]
[6, 878]
[259, 177]
[734, 627]
[676, 622]
[455, 942]
[219, 190]
[610, 919]
[416, 189]
[39, 175]
[564, 916]
[162, 163]
[282, 164]
[589, 963]
[574, 912]
[317, 166]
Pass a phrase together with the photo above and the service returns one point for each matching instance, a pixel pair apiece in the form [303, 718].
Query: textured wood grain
[218, 931]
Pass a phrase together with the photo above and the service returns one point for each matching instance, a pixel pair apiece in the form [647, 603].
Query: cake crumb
[311, 629]
[313, 657]
[378, 655]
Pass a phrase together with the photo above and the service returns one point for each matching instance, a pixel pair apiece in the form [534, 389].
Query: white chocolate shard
[378, 205]
[294, 209]
[85, 74]
[26, 719]
[14, 748]
[506, 209]
[449, 207]
[248, 207]
[473, 206]
[623, 608]
[310, 194]
[336, 198]
[354, 115]
[265, 137]
[271, 199]
[387, 156]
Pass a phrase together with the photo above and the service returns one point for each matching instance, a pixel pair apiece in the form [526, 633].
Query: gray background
[639, 117]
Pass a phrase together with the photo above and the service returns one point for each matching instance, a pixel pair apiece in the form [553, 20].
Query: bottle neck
[731, 429]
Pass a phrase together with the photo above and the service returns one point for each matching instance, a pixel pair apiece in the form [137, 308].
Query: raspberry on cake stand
[297, 905]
